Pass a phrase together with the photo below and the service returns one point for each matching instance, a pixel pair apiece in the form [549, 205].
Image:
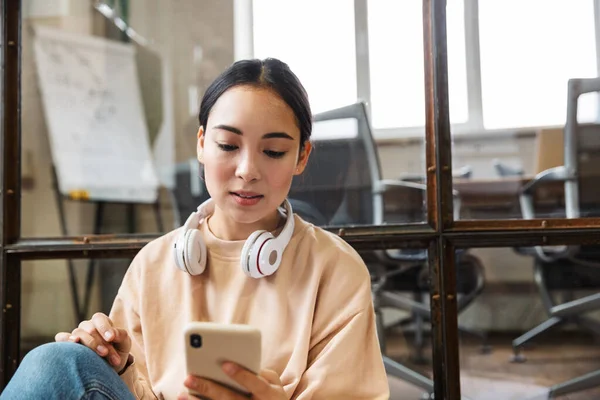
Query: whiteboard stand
[81, 310]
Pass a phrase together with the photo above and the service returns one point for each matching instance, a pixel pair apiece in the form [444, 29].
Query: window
[527, 57]
[396, 66]
[321, 54]
[508, 61]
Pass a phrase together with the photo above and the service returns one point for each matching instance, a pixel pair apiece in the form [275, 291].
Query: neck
[224, 228]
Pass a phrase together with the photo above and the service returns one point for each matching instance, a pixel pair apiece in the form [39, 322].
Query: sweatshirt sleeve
[124, 315]
[345, 360]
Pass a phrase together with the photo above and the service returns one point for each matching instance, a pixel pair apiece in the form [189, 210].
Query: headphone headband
[261, 254]
[288, 229]
[204, 210]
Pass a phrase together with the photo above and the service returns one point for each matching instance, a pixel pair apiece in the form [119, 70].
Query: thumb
[270, 376]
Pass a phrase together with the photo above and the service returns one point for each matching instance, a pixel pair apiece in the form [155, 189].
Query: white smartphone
[209, 344]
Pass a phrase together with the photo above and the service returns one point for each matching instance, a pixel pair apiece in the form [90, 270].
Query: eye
[274, 154]
[227, 147]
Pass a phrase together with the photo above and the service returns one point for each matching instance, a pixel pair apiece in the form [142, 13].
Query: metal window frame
[440, 234]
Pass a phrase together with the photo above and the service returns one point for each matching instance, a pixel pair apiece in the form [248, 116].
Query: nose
[247, 168]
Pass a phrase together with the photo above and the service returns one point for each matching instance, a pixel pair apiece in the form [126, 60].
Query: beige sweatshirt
[315, 315]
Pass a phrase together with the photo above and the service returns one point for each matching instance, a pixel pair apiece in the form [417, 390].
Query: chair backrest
[189, 191]
[588, 169]
[343, 168]
[579, 181]
[550, 149]
[573, 131]
[564, 155]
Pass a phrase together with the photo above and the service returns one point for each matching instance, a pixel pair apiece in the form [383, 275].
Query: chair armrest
[550, 175]
[384, 185]
[557, 174]
[404, 256]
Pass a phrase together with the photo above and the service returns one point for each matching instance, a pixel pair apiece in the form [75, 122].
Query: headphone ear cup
[194, 252]
[269, 256]
[179, 251]
[256, 268]
[246, 251]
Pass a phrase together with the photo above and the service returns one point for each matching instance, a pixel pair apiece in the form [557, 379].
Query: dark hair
[268, 73]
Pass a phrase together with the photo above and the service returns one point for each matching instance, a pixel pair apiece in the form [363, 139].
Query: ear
[200, 144]
[303, 159]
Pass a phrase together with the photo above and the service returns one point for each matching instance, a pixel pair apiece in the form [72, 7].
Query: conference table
[494, 198]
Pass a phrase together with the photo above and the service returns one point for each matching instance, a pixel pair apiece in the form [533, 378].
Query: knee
[64, 355]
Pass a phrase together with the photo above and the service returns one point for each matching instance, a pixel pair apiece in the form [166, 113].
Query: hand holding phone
[264, 386]
[209, 345]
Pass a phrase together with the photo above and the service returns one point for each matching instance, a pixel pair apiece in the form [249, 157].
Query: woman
[314, 310]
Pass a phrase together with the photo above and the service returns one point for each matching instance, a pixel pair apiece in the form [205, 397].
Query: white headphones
[261, 254]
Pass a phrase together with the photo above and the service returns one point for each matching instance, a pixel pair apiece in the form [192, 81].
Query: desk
[501, 197]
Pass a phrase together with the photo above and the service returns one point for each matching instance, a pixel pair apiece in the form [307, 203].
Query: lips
[246, 199]
[247, 195]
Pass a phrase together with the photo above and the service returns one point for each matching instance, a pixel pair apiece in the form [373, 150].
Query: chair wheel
[518, 358]
[427, 396]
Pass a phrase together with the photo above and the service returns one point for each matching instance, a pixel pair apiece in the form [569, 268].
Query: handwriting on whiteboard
[98, 132]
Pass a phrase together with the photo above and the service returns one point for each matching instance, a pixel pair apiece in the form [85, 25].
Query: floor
[548, 362]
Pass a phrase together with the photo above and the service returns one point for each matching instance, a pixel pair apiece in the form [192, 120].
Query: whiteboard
[92, 104]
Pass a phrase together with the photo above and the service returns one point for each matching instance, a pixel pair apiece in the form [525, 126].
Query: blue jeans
[65, 371]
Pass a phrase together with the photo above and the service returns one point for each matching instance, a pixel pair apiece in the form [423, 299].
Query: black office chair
[343, 182]
[566, 267]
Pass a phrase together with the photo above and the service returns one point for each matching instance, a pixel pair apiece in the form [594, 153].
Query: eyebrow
[269, 135]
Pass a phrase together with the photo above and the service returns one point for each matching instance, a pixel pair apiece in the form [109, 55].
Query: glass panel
[525, 69]
[116, 116]
[48, 303]
[396, 66]
[99, 115]
[520, 290]
[503, 167]
[517, 166]
[323, 57]
[399, 282]
[401, 294]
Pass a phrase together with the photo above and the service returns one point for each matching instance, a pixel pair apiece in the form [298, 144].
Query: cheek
[281, 177]
[217, 170]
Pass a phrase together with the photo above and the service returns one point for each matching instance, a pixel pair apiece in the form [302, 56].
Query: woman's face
[250, 151]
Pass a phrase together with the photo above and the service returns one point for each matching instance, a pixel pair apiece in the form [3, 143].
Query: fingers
[100, 335]
[66, 337]
[90, 337]
[258, 385]
[110, 334]
[205, 388]
[104, 326]
[121, 339]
